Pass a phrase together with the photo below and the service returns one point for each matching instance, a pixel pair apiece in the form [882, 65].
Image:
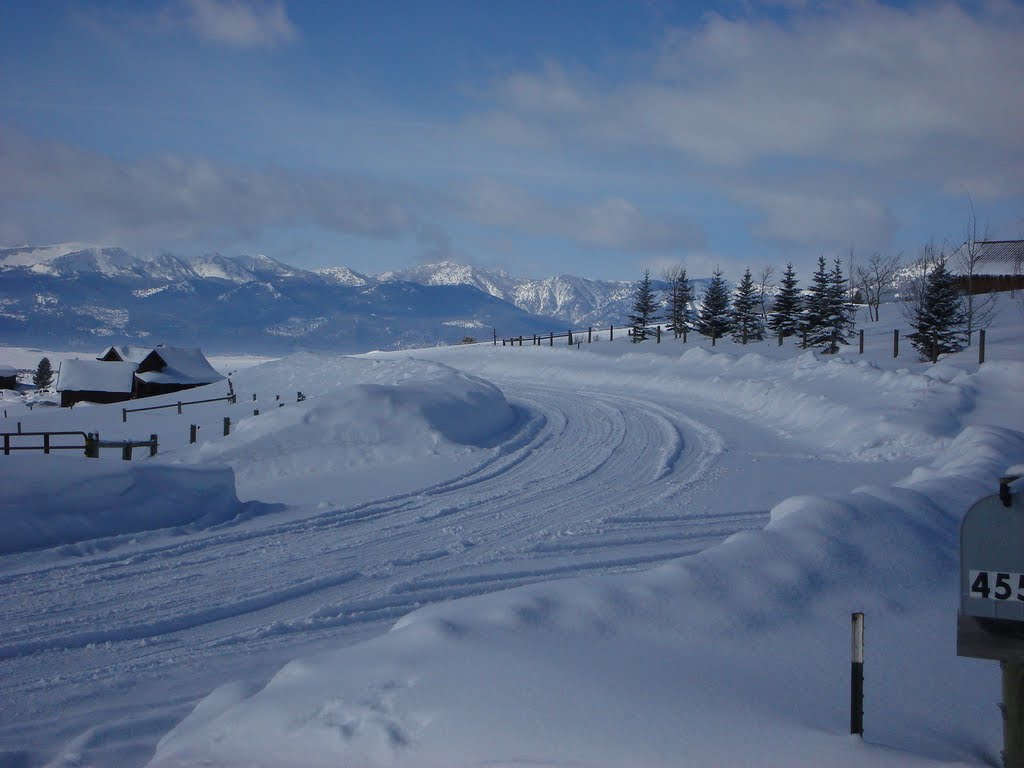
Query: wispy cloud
[613, 223]
[54, 190]
[238, 23]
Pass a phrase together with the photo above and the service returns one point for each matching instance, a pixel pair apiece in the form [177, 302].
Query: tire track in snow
[592, 482]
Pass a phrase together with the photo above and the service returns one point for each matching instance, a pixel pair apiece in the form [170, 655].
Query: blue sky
[592, 138]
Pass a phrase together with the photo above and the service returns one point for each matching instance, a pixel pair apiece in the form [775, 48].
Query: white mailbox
[991, 620]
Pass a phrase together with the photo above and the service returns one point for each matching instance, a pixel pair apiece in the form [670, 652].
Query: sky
[597, 138]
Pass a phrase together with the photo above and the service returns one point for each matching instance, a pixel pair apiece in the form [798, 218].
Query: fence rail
[90, 444]
[179, 405]
[46, 446]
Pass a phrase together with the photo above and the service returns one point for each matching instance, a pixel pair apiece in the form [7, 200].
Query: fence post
[857, 675]
[7, 445]
[192, 433]
[124, 415]
[713, 338]
[520, 341]
[896, 342]
[92, 445]
[255, 411]
[179, 407]
[803, 344]
[590, 334]
[862, 341]
[126, 452]
[254, 397]
[152, 445]
[981, 346]
[19, 427]
[659, 334]
[551, 339]
[1013, 713]
[570, 338]
[611, 332]
[46, 443]
[233, 399]
[685, 329]
[227, 426]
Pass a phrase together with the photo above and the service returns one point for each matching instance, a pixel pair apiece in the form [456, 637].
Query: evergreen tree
[828, 314]
[714, 318]
[43, 376]
[747, 324]
[785, 316]
[815, 306]
[679, 296]
[939, 321]
[644, 308]
[842, 311]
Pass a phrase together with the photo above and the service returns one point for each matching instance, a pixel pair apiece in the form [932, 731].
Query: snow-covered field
[618, 555]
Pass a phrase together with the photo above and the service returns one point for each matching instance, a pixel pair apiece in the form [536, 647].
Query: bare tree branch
[764, 279]
[876, 278]
[979, 309]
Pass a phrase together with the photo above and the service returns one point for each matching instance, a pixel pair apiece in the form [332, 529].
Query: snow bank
[736, 656]
[362, 424]
[849, 409]
[65, 499]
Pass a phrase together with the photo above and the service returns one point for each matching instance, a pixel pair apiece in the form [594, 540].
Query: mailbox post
[990, 623]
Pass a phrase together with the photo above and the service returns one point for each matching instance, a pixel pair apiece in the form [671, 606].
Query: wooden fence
[90, 444]
[576, 338]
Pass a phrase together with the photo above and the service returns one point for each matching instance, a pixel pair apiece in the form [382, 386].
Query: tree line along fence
[576, 338]
[90, 443]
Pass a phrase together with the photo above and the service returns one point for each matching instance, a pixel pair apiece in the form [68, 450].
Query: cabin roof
[1000, 257]
[127, 353]
[177, 365]
[95, 376]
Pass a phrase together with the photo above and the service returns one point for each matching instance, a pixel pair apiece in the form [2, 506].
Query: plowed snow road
[590, 482]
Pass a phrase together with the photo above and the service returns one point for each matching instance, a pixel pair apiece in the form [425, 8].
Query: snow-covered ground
[618, 555]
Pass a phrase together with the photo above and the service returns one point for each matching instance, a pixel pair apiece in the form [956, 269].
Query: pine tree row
[823, 318]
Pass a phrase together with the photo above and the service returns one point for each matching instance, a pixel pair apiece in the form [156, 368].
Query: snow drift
[67, 499]
[366, 426]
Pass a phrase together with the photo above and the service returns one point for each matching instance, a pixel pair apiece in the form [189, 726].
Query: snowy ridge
[574, 300]
[342, 276]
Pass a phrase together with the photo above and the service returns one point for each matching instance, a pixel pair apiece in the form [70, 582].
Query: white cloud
[867, 82]
[863, 102]
[239, 23]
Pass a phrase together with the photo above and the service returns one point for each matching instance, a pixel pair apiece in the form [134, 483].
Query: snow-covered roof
[177, 365]
[1000, 257]
[95, 376]
[7, 370]
[127, 353]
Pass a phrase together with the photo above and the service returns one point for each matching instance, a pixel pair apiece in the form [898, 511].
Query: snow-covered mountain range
[75, 295]
[574, 300]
